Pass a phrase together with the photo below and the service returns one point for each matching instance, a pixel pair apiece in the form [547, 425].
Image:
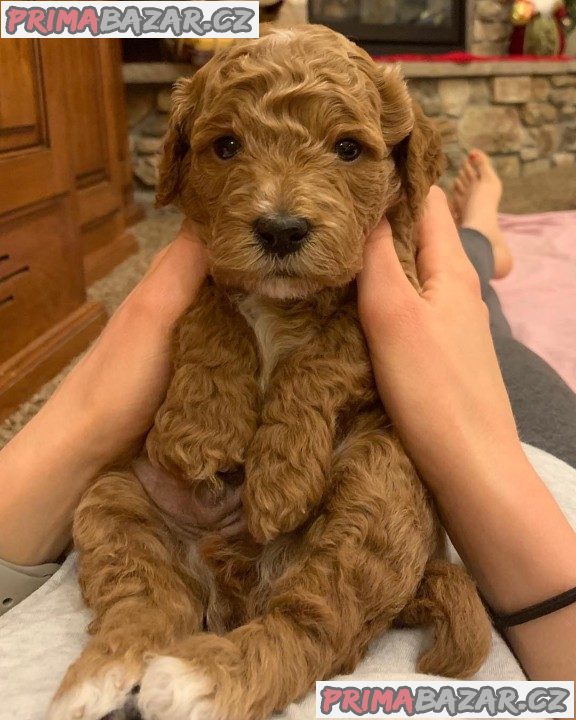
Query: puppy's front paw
[174, 689]
[107, 694]
[176, 451]
[271, 512]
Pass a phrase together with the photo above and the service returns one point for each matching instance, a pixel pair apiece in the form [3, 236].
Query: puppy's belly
[234, 572]
[192, 509]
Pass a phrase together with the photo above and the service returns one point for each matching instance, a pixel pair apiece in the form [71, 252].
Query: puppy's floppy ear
[396, 114]
[420, 160]
[185, 99]
[415, 141]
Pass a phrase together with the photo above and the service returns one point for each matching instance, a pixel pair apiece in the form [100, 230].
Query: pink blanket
[539, 296]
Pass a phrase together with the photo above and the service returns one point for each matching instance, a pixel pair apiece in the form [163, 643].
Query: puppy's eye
[348, 149]
[226, 146]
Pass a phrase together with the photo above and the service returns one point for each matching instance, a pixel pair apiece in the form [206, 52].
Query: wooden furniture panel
[31, 172]
[41, 272]
[21, 103]
[63, 202]
[99, 140]
[43, 358]
[85, 102]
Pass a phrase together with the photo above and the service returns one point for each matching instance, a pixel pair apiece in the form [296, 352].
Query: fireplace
[396, 26]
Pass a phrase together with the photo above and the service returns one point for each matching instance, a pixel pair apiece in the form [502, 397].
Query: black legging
[544, 406]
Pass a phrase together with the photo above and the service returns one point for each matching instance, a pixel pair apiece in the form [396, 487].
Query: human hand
[432, 353]
[438, 377]
[118, 386]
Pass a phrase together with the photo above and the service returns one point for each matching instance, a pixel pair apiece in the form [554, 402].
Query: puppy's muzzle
[281, 235]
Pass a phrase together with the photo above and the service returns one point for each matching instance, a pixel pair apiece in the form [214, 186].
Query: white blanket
[43, 635]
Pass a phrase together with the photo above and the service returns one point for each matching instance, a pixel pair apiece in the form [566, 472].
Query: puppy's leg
[130, 577]
[360, 563]
[288, 462]
[448, 600]
[210, 412]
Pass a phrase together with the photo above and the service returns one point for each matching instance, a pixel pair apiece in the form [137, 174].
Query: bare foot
[475, 201]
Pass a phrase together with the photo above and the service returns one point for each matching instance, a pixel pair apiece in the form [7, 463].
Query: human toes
[466, 176]
[482, 165]
[469, 171]
[460, 187]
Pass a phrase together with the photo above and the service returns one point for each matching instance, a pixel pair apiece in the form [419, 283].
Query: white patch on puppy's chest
[274, 336]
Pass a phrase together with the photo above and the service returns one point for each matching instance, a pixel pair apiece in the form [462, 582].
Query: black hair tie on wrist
[547, 607]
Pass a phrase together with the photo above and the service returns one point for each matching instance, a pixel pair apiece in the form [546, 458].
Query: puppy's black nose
[281, 234]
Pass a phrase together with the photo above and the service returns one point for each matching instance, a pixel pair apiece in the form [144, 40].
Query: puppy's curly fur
[272, 380]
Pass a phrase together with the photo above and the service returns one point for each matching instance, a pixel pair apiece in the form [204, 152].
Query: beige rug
[154, 232]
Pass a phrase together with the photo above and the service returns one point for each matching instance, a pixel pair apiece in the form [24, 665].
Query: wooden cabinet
[65, 200]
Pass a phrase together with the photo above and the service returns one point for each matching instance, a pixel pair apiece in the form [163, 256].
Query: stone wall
[148, 107]
[526, 123]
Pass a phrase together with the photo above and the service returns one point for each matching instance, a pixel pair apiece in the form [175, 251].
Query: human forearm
[521, 550]
[508, 529]
[438, 377]
[514, 540]
[43, 472]
[102, 409]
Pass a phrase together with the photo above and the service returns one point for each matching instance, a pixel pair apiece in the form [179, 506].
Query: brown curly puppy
[286, 151]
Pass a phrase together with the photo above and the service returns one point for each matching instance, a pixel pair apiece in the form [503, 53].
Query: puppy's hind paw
[173, 689]
[96, 698]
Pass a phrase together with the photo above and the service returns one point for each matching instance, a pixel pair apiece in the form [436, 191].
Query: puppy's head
[287, 151]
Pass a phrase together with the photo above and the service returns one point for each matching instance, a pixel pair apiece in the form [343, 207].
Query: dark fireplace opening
[388, 27]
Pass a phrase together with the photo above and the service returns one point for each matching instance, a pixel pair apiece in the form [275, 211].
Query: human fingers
[174, 277]
[439, 249]
[382, 278]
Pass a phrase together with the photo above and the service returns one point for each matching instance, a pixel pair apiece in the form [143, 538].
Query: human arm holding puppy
[102, 409]
[438, 376]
